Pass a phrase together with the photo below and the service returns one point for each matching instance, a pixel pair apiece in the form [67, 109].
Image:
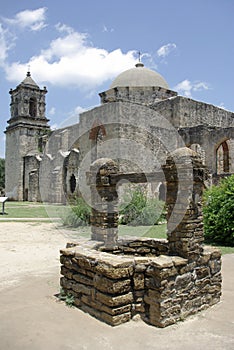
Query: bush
[218, 211]
[140, 210]
[80, 214]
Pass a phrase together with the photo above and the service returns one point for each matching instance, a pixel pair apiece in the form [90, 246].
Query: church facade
[139, 122]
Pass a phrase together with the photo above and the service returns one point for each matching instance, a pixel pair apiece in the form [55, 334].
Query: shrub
[80, 214]
[218, 211]
[140, 210]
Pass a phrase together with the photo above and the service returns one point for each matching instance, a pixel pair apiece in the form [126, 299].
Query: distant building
[139, 121]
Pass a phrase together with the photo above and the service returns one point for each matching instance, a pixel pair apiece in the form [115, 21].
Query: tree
[2, 173]
[218, 212]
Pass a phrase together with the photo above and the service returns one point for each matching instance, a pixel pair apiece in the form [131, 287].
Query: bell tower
[27, 125]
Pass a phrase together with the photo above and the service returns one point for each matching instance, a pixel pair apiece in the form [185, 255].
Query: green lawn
[29, 210]
[33, 210]
[156, 231]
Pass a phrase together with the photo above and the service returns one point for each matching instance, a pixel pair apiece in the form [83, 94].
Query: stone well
[163, 281]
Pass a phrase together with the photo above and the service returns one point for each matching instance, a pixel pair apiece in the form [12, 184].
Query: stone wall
[161, 289]
[164, 281]
[137, 136]
[183, 112]
[141, 95]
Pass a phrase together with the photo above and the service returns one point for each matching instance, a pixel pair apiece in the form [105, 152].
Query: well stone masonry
[162, 280]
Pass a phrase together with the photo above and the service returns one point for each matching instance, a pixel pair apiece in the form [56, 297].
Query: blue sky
[76, 48]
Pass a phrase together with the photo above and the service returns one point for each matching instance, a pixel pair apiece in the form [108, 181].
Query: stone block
[66, 272]
[183, 281]
[109, 319]
[115, 271]
[83, 279]
[139, 281]
[110, 286]
[162, 262]
[66, 283]
[202, 272]
[215, 266]
[81, 288]
[112, 300]
[113, 311]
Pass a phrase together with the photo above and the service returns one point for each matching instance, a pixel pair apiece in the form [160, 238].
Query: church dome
[139, 76]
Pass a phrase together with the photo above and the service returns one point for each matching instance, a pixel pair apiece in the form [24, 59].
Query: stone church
[139, 122]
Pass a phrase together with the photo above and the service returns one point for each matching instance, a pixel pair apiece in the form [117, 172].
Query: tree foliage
[218, 211]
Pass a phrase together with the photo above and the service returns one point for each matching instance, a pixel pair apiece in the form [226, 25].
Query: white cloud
[52, 111]
[200, 86]
[164, 50]
[73, 116]
[105, 29]
[186, 87]
[78, 110]
[221, 105]
[70, 60]
[33, 19]
[63, 28]
[6, 43]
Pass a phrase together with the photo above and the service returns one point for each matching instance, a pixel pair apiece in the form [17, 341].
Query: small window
[72, 183]
[32, 107]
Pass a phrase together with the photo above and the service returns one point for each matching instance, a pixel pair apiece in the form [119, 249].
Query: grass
[31, 210]
[156, 231]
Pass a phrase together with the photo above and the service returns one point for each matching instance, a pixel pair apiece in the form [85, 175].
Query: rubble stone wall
[164, 281]
[161, 289]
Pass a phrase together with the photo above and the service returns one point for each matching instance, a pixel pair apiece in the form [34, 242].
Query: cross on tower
[139, 56]
[28, 73]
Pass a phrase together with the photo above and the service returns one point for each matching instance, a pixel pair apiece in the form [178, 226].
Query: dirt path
[32, 318]
[29, 248]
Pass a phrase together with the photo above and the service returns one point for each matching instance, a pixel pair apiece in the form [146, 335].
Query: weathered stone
[202, 272]
[109, 319]
[118, 271]
[114, 301]
[107, 285]
[183, 280]
[162, 288]
[66, 283]
[113, 311]
[83, 279]
[81, 288]
[215, 266]
[162, 262]
[66, 272]
[178, 261]
[139, 281]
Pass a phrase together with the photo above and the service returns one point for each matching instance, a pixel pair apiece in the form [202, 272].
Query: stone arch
[96, 135]
[199, 150]
[33, 107]
[97, 130]
[222, 158]
[71, 173]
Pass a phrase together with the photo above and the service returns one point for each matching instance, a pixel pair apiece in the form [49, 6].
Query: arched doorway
[222, 158]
